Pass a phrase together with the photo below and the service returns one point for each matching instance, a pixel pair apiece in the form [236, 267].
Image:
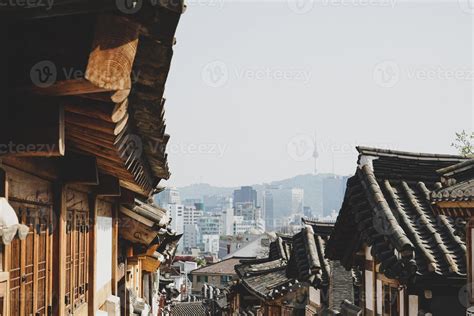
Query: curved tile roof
[458, 183]
[387, 206]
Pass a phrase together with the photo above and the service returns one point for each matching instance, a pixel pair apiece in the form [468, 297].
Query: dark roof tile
[387, 206]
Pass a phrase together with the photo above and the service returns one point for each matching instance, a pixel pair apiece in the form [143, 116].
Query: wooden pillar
[470, 253]
[5, 249]
[59, 250]
[3, 183]
[92, 253]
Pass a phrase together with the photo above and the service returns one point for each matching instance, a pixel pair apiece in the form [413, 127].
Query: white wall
[379, 297]
[104, 251]
[412, 305]
[369, 293]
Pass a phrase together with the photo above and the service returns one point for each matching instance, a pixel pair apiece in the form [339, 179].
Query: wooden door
[30, 262]
[77, 258]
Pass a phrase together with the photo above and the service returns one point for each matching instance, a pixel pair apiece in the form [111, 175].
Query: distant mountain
[312, 185]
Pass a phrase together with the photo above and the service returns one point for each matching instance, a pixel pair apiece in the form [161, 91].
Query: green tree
[464, 143]
[201, 262]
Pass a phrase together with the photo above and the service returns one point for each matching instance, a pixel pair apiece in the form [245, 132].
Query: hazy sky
[252, 81]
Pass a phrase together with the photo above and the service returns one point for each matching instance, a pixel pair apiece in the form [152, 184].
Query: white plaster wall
[379, 297]
[104, 251]
[369, 303]
[412, 305]
[314, 296]
[368, 255]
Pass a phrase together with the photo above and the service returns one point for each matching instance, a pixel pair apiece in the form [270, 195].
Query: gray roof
[189, 308]
[458, 183]
[387, 206]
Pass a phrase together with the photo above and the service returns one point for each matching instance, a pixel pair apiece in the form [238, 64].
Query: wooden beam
[113, 51]
[86, 133]
[3, 183]
[79, 169]
[94, 149]
[455, 204]
[90, 123]
[108, 186]
[35, 128]
[114, 96]
[67, 87]
[107, 111]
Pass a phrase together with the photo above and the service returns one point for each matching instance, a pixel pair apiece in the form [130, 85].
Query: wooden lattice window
[391, 300]
[77, 258]
[30, 262]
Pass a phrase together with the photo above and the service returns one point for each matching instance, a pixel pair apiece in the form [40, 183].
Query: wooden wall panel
[28, 188]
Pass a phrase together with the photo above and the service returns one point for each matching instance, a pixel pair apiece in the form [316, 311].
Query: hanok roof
[281, 247]
[292, 263]
[190, 308]
[168, 245]
[458, 183]
[387, 206]
[224, 267]
[307, 262]
[121, 123]
[322, 228]
[265, 278]
[143, 222]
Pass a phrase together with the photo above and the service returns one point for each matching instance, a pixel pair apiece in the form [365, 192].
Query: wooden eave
[118, 120]
[464, 209]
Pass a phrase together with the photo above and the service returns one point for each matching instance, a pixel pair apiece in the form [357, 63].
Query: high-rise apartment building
[245, 194]
[168, 196]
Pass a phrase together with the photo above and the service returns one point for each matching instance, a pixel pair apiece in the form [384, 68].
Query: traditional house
[409, 260]
[82, 149]
[295, 279]
[455, 197]
[217, 275]
[340, 287]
